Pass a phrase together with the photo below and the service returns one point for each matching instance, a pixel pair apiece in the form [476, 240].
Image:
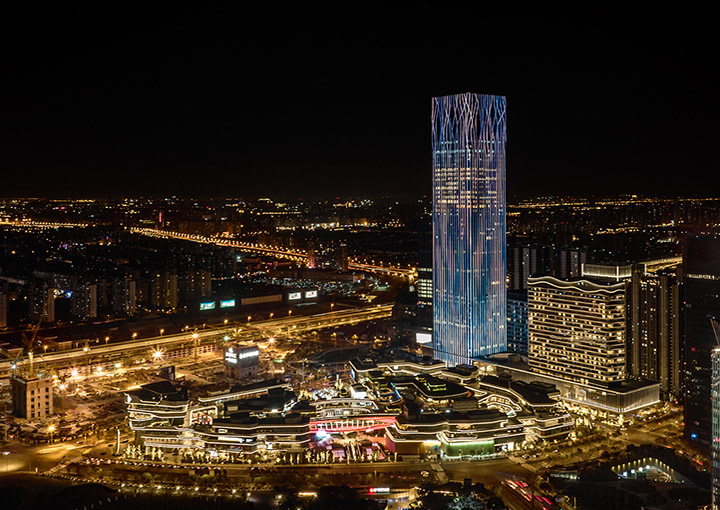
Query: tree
[464, 502]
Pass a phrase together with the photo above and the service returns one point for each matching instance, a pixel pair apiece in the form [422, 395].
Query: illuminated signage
[233, 356]
[423, 338]
[379, 490]
[207, 306]
[311, 294]
[227, 303]
[293, 296]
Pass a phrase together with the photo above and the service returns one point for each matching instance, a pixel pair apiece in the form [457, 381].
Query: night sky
[227, 102]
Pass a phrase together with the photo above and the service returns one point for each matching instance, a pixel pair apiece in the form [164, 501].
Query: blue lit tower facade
[715, 395]
[469, 289]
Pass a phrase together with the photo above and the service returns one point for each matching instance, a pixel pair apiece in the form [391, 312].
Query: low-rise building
[32, 397]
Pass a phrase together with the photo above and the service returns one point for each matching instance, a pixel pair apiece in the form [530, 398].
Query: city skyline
[244, 268]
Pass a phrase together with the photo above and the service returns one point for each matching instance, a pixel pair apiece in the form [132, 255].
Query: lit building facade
[241, 362]
[654, 350]
[576, 329]
[469, 302]
[716, 429]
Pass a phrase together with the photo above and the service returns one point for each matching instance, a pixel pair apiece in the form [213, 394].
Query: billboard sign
[208, 305]
[423, 338]
[227, 303]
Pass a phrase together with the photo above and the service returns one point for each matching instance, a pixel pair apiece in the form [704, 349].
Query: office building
[425, 261]
[469, 301]
[701, 282]
[32, 397]
[654, 329]
[716, 428]
[576, 329]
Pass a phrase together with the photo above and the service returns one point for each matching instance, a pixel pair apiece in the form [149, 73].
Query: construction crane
[29, 341]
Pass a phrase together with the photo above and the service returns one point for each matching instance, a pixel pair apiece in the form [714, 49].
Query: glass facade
[701, 281]
[716, 429]
[469, 287]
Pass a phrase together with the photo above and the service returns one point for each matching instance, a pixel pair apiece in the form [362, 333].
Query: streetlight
[51, 429]
[289, 313]
[5, 454]
[271, 314]
[162, 331]
[107, 339]
[134, 336]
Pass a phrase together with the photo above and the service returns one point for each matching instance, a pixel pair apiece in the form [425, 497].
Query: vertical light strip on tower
[468, 144]
[715, 399]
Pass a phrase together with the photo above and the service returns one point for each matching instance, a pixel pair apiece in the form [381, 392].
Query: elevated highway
[105, 353]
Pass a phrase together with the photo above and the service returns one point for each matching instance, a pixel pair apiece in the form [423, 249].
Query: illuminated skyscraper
[468, 144]
[715, 392]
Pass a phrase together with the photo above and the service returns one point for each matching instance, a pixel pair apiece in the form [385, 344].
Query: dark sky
[122, 100]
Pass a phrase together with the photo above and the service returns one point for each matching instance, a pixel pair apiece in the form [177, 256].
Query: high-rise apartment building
[701, 283]
[517, 319]
[164, 290]
[469, 301]
[654, 336]
[84, 302]
[42, 302]
[571, 260]
[523, 260]
[576, 329]
[124, 299]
